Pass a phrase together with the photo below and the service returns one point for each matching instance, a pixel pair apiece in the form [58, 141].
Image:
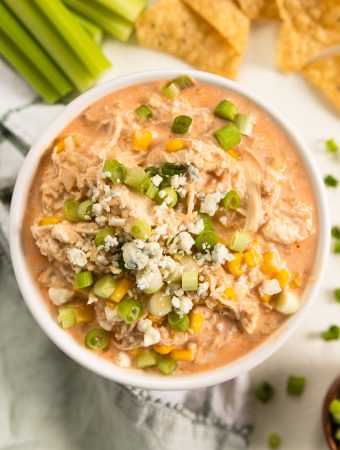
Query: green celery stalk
[76, 37]
[129, 9]
[22, 64]
[17, 33]
[91, 28]
[109, 21]
[52, 42]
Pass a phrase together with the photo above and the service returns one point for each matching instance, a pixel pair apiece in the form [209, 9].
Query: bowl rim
[97, 363]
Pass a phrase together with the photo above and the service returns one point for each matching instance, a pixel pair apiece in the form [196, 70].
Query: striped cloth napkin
[50, 402]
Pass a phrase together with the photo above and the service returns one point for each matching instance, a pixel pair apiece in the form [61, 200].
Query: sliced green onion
[336, 293]
[206, 240]
[265, 392]
[225, 110]
[167, 195]
[135, 177]
[332, 146]
[231, 200]
[274, 441]
[183, 82]
[83, 279]
[336, 232]
[177, 322]
[334, 409]
[337, 432]
[170, 169]
[143, 112]
[91, 28]
[166, 366]
[151, 171]
[85, 210]
[116, 169]
[67, 316]
[102, 234]
[121, 264]
[207, 221]
[190, 281]
[295, 385]
[245, 124]
[171, 90]
[105, 286]
[71, 210]
[140, 229]
[159, 304]
[165, 183]
[129, 310]
[331, 181]
[239, 241]
[146, 358]
[130, 9]
[228, 136]
[152, 192]
[332, 334]
[97, 339]
[145, 185]
[181, 124]
[336, 247]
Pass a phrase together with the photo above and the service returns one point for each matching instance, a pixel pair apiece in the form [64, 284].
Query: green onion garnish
[295, 385]
[140, 229]
[183, 82]
[102, 234]
[334, 410]
[145, 185]
[274, 441]
[105, 286]
[71, 210]
[97, 339]
[166, 366]
[170, 169]
[181, 124]
[231, 200]
[143, 112]
[265, 392]
[206, 240]
[332, 334]
[207, 221]
[129, 310]
[83, 279]
[245, 124]
[228, 136]
[85, 210]
[225, 110]
[336, 232]
[337, 432]
[167, 195]
[336, 247]
[178, 323]
[239, 241]
[134, 177]
[146, 358]
[190, 281]
[152, 192]
[171, 90]
[336, 293]
[116, 169]
[332, 146]
[67, 316]
[330, 181]
[151, 171]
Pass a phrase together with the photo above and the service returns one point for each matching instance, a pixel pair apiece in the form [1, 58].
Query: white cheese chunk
[59, 296]
[77, 257]
[269, 287]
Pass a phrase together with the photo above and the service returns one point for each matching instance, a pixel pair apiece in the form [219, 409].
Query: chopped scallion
[67, 316]
[207, 221]
[231, 200]
[178, 323]
[206, 240]
[151, 171]
[71, 210]
[336, 232]
[225, 110]
[171, 90]
[239, 241]
[336, 247]
[116, 169]
[170, 169]
[265, 392]
[332, 146]
[184, 82]
[97, 339]
[105, 286]
[245, 124]
[181, 124]
[332, 334]
[146, 358]
[83, 279]
[152, 192]
[295, 385]
[140, 229]
[190, 281]
[129, 310]
[134, 177]
[334, 410]
[331, 181]
[143, 112]
[274, 441]
[165, 365]
[85, 210]
[102, 234]
[337, 294]
[228, 136]
[167, 195]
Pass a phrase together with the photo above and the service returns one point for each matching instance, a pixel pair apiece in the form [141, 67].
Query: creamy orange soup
[166, 247]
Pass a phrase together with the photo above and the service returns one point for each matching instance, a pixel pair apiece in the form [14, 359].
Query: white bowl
[64, 340]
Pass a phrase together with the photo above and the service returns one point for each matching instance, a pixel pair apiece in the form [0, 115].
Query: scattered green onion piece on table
[206, 240]
[91, 28]
[151, 171]
[97, 339]
[239, 241]
[228, 136]
[166, 366]
[140, 229]
[67, 316]
[190, 281]
[170, 169]
[265, 392]
[129, 9]
[336, 232]
[178, 323]
[146, 358]
[295, 385]
[181, 124]
[245, 124]
[274, 441]
[143, 112]
[171, 90]
[71, 210]
[116, 169]
[207, 221]
[167, 195]
[225, 110]
[331, 181]
[85, 210]
[83, 279]
[105, 286]
[129, 310]
[336, 247]
[135, 177]
[102, 234]
[332, 334]
[336, 293]
[231, 200]
[332, 146]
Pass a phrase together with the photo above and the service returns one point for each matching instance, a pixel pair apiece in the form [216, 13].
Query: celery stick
[52, 42]
[15, 31]
[76, 37]
[109, 21]
[129, 9]
[21, 63]
[91, 28]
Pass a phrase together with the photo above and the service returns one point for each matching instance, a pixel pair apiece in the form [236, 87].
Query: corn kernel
[196, 322]
[235, 266]
[135, 351]
[163, 349]
[155, 319]
[84, 314]
[266, 298]
[83, 291]
[270, 263]
[173, 145]
[50, 220]
[141, 140]
[252, 258]
[123, 286]
[182, 355]
[59, 147]
[235, 154]
[229, 294]
[296, 281]
[283, 277]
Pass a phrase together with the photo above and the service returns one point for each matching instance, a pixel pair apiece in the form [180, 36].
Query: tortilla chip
[226, 18]
[260, 9]
[303, 34]
[324, 73]
[172, 27]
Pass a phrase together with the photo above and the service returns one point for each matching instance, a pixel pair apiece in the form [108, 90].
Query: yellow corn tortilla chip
[260, 9]
[324, 73]
[172, 27]
[303, 34]
[226, 18]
